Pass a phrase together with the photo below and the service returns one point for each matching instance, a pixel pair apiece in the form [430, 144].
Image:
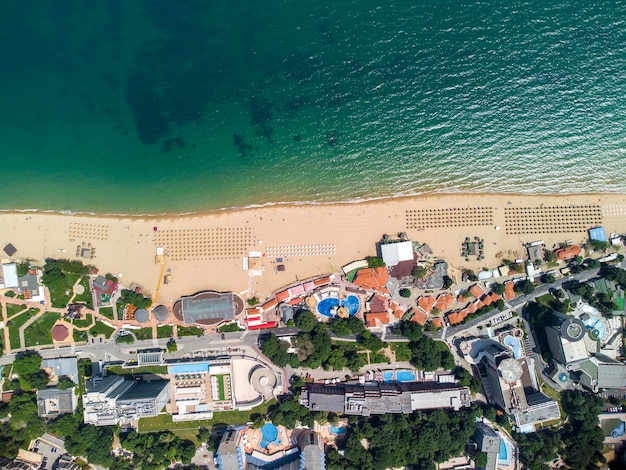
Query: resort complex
[405, 329]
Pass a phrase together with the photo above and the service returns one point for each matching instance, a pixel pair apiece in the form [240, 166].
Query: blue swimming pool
[328, 307]
[337, 430]
[189, 368]
[596, 326]
[503, 454]
[405, 376]
[269, 434]
[387, 376]
[514, 343]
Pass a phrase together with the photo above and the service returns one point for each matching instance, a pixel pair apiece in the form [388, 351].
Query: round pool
[328, 307]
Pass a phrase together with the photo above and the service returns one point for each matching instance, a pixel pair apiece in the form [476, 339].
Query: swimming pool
[269, 434]
[387, 376]
[596, 327]
[337, 430]
[405, 376]
[189, 368]
[503, 454]
[328, 306]
[515, 345]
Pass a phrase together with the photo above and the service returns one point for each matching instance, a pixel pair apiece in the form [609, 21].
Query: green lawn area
[545, 300]
[163, 422]
[61, 292]
[15, 324]
[221, 387]
[12, 309]
[143, 333]
[189, 331]
[39, 332]
[165, 331]
[83, 321]
[101, 329]
[119, 370]
[86, 296]
[107, 312]
[402, 351]
[80, 336]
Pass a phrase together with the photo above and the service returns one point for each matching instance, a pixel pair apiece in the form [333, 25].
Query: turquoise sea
[154, 106]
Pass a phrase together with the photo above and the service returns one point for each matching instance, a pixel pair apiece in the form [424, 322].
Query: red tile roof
[322, 281]
[437, 322]
[509, 293]
[426, 303]
[253, 311]
[378, 303]
[283, 296]
[568, 252]
[455, 318]
[477, 291]
[369, 278]
[419, 317]
[376, 319]
[269, 305]
[444, 301]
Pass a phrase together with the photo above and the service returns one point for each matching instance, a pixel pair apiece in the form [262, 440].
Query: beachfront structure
[512, 384]
[113, 400]
[272, 448]
[598, 234]
[380, 398]
[208, 308]
[396, 252]
[52, 402]
[9, 275]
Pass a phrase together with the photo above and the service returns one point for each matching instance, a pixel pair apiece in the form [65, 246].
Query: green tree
[171, 345]
[498, 288]
[406, 293]
[371, 341]
[64, 383]
[419, 272]
[480, 459]
[410, 330]
[23, 268]
[305, 320]
[549, 256]
[447, 282]
[548, 278]
[27, 362]
[375, 262]
[525, 287]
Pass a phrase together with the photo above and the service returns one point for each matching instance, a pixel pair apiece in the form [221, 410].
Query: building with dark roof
[208, 308]
[52, 402]
[161, 313]
[104, 286]
[565, 339]
[142, 315]
[380, 398]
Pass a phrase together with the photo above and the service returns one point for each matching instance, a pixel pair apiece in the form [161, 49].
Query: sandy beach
[207, 251]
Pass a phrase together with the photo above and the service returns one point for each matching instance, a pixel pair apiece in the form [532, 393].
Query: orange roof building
[270, 304]
[457, 317]
[397, 311]
[375, 278]
[322, 281]
[568, 252]
[509, 292]
[376, 319]
[477, 291]
[444, 302]
[419, 317]
[437, 322]
[426, 303]
[283, 296]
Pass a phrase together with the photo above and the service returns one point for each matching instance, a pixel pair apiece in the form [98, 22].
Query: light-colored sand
[206, 251]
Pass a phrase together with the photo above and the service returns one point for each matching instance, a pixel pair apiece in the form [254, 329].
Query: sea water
[158, 106]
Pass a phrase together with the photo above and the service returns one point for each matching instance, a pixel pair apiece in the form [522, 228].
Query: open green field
[165, 331]
[80, 336]
[39, 332]
[61, 292]
[163, 422]
[402, 351]
[143, 333]
[13, 309]
[189, 331]
[101, 329]
[107, 312]
[85, 297]
[83, 322]
[15, 324]
[119, 370]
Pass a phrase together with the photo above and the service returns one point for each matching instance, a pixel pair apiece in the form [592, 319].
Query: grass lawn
[80, 336]
[189, 331]
[61, 292]
[401, 350]
[83, 321]
[143, 333]
[163, 422]
[40, 331]
[165, 331]
[545, 300]
[119, 370]
[15, 324]
[107, 312]
[86, 296]
[101, 329]
[12, 309]
[220, 387]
